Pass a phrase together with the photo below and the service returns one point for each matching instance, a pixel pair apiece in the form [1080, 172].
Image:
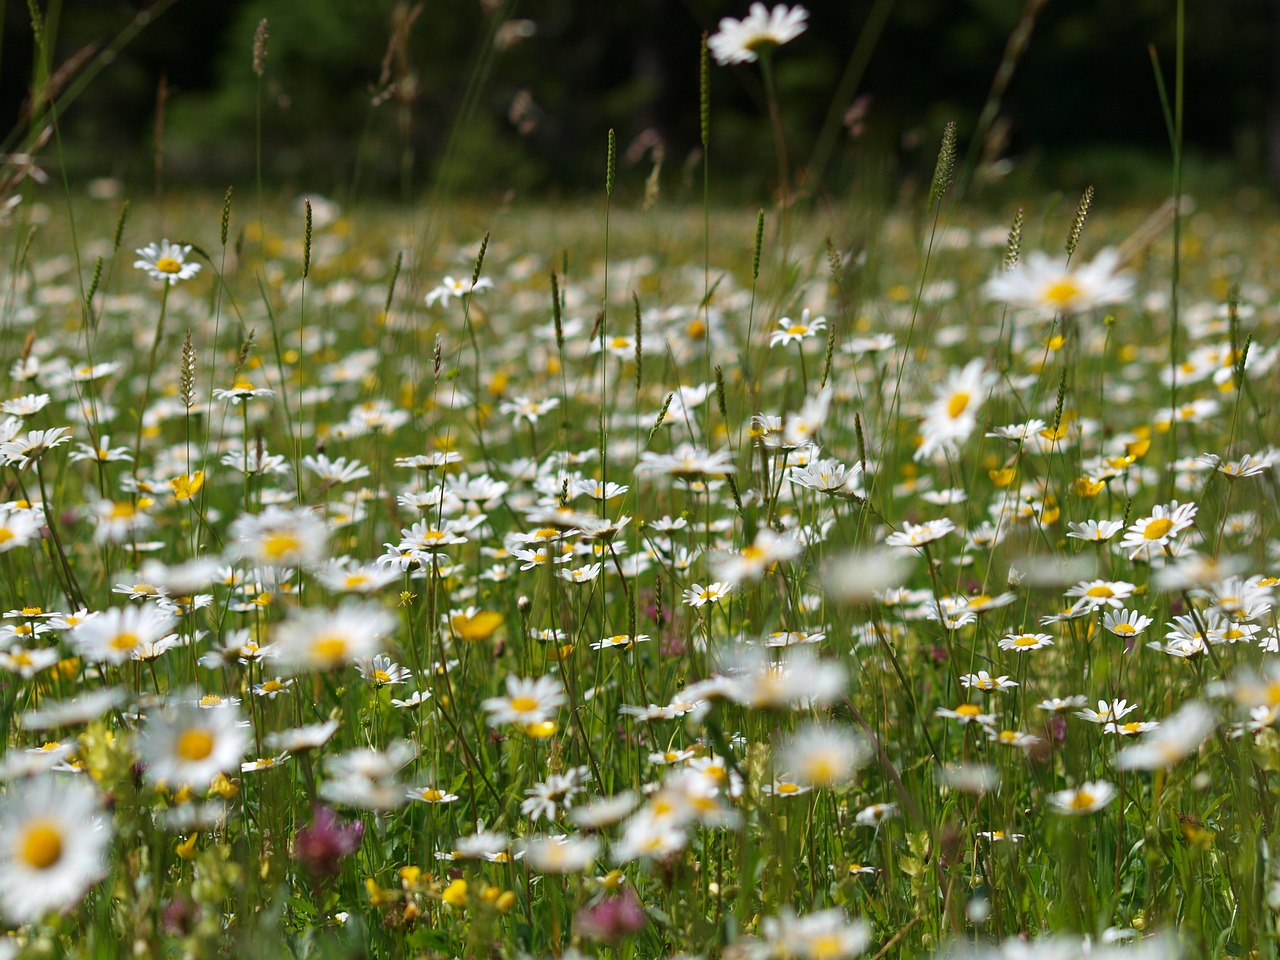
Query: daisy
[1011, 738]
[826, 935]
[984, 681]
[561, 854]
[310, 737]
[527, 701]
[996, 836]
[1095, 531]
[953, 414]
[449, 288]
[919, 535]
[380, 671]
[1177, 737]
[1157, 530]
[281, 538]
[1095, 594]
[166, 261]
[1107, 711]
[53, 845]
[316, 639]
[73, 712]
[757, 558]
[1087, 798]
[1062, 704]
[18, 528]
[620, 641]
[558, 790]
[784, 787]
[31, 446]
[966, 713]
[241, 391]
[876, 813]
[114, 635]
[1052, 286]
[741, 41]
[187, 746]
[273, 687]
[1026, 642]
[797, 331]
[1125, 623]
[824, 756]
[431, 795]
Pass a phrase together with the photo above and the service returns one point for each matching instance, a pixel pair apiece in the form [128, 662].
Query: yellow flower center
[6, 534]
[788, 788]
[969, 710]
[431, 795]
[1026, 640]
[957, 405]
[1083, 800]
[195, 744]
[822, 771]
[381, 676]
[41, 845]
[125, 641]
[1157, 528]
[278, 545]
[168, 265]
[122, 511]
[32, 611]
[524, 704]
[1101, 590]
[272, 686]
[797, 329]
[329, 649]
[828, 946]
[1131, 727]
[1061, 292]
[1124, 629]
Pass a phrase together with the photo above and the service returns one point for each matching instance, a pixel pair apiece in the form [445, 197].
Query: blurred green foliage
[499, 95]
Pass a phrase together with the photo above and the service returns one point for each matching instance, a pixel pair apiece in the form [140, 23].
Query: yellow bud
[186, 849]
[455, 894]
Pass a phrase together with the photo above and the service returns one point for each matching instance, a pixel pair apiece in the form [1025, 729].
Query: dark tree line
[519, 93]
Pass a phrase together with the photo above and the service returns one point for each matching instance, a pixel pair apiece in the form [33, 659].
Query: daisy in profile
[316, 639]
[1178, 737]
[166, 261]
[1087, 798]
[920, 534]
[1052, 286]
[187, 746]
[741, 41]
[53, 843]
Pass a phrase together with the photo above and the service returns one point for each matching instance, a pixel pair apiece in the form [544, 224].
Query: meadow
[631, 579]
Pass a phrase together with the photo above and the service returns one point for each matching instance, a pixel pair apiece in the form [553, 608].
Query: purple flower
[326, 841]
[612, 918]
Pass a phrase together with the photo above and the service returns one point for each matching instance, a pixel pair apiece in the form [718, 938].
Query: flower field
[635, 580]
